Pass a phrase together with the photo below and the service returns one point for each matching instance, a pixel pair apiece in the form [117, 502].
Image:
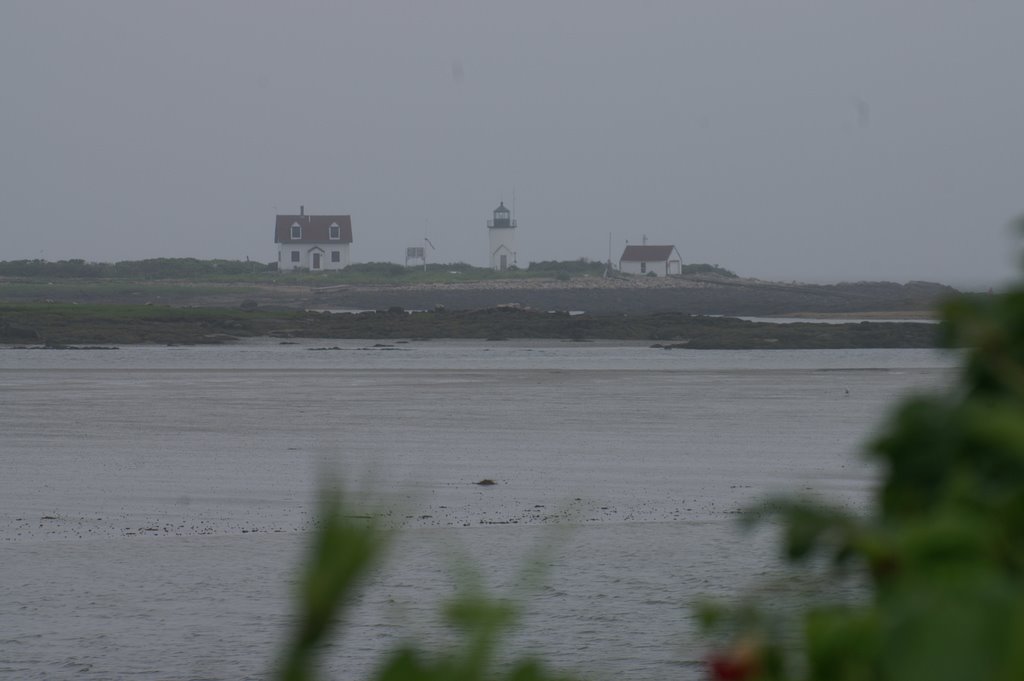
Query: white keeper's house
[658, 260]
[313, 242]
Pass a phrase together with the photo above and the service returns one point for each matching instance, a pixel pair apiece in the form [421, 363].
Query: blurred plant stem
[345, 548]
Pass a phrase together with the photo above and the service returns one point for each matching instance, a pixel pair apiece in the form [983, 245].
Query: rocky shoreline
[103, 326]
[692, 311]
[690, 295]
[709, 295]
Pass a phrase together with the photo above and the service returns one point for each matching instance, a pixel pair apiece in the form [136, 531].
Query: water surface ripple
[155, 501]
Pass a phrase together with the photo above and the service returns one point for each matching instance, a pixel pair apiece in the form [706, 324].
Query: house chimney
[302, 210]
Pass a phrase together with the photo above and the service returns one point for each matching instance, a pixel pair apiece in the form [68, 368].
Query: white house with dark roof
[658, 260]
[313, 242]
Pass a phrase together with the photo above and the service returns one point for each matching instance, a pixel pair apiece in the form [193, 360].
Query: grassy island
[189, 301]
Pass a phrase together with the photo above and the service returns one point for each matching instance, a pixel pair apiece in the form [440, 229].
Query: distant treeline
[193, 268]
[153, 268]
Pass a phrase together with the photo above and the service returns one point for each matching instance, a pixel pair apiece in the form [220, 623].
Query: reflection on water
[154, 500]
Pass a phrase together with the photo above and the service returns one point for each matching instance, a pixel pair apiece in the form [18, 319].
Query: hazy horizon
[783, 140]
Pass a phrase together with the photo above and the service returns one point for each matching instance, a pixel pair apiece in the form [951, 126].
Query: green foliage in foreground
[940, 555]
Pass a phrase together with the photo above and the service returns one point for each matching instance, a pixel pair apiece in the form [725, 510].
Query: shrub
[704, 268]
[941, 552]
[579, 267]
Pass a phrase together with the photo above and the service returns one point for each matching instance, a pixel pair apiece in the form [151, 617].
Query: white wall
[502, 241]
[656, 266]
[284, 261]
[660, 267]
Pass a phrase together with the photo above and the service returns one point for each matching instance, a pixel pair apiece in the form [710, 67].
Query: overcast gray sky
[819, 141]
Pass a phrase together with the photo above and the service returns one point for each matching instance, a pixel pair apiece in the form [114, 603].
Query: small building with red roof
[660, 261]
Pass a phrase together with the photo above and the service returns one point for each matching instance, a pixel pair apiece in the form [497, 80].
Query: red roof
[646, 253]
[315, 228]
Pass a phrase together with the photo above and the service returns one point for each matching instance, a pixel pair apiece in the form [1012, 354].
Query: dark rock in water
[249, 304]
[486, 482]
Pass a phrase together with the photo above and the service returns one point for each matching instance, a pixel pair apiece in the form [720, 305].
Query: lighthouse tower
[502, 233]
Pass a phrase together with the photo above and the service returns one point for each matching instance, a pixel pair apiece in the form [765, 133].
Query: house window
[335, 232]
[296, 231]
[643, 267]
[335, 256]
[295, 256]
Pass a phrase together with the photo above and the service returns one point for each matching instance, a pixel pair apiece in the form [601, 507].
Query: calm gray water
[155, 501]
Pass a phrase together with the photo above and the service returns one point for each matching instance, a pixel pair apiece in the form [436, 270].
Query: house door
[316, 261]
[504, 263]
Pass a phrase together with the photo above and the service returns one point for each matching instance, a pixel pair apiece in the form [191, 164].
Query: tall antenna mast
[513, 204]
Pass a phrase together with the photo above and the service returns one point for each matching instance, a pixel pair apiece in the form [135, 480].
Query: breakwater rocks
[54, 324]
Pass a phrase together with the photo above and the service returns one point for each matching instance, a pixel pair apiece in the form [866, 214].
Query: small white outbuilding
[658, 260]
